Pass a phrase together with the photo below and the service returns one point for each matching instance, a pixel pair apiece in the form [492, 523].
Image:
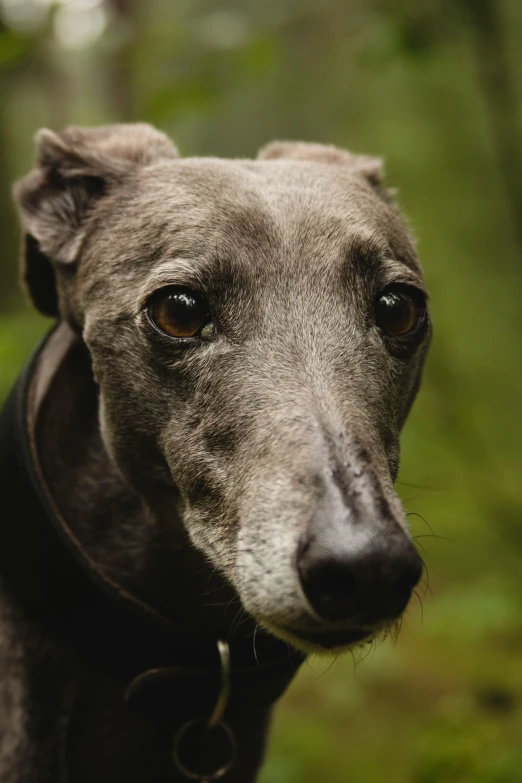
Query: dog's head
[257, 330]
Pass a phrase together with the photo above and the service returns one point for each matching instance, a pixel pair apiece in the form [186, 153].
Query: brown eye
[399, 312]
[180, 312]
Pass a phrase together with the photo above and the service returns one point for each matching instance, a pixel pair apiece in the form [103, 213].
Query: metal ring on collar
[198, 732]
[201, 731]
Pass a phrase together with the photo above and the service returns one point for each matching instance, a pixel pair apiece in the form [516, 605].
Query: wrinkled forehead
[204, 216]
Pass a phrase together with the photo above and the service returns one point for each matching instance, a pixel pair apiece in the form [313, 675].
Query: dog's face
[257, 331]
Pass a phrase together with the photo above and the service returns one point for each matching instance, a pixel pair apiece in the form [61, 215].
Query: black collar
[52, 579]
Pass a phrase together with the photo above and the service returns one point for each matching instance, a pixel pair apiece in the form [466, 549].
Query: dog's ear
[371, 169]
[75, 169]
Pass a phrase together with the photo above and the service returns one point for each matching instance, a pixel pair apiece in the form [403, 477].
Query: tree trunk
[494, 75]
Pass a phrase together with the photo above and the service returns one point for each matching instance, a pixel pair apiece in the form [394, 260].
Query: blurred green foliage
[436, 88]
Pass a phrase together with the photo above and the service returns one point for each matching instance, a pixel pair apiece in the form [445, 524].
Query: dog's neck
[132, 542]
[82, 558]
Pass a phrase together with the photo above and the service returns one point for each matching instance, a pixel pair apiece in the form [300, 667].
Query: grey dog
[215, 420]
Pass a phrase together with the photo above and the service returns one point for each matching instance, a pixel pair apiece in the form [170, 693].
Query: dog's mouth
[321, 640]
[330, 640]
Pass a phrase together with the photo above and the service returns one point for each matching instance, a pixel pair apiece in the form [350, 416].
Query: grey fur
[210, 462]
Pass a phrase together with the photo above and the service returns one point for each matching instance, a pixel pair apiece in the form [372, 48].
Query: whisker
[435, 535]
[223, 603]
[412, 499]
[369, 651]
[214, 590]
[421, 546]
[420, 486]
[396, 214]
[426, 579]
[236, 621]
[352, 653]
[334, 660]
[245, 619]
[395, 631]
[254, 644]
[419, 599]
[414, 514]
[427, 588]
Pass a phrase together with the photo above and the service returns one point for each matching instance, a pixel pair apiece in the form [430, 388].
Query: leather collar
[169, 673]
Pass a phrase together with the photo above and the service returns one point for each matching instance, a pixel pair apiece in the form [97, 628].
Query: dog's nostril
[331, 588]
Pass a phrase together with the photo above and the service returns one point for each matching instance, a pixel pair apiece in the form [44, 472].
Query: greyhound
[197, 463]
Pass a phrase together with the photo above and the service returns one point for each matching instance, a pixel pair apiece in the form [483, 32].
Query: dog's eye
[400, 310]
[180, 312]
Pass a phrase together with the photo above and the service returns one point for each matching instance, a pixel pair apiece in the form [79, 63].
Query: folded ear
[75, 169]
[371, 169]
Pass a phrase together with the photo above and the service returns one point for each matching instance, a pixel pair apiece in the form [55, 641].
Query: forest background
[436, 88]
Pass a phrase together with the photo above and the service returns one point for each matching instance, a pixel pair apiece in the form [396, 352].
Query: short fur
[194, 478]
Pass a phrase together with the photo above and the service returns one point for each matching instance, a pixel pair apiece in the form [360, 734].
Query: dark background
[435, 88]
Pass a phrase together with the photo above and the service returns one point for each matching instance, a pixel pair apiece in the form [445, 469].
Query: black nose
[363, 579]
